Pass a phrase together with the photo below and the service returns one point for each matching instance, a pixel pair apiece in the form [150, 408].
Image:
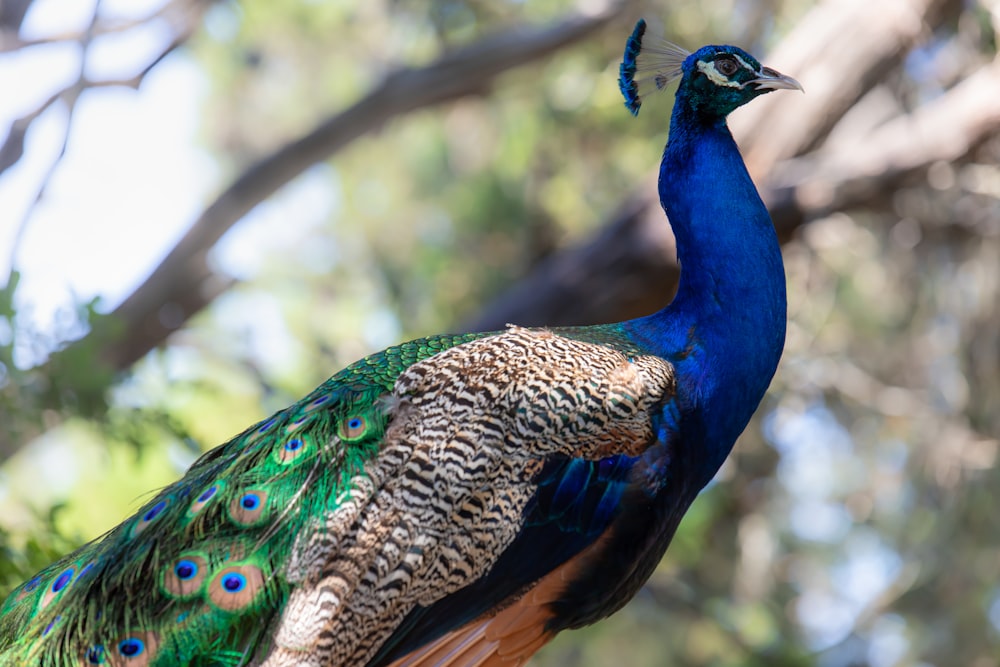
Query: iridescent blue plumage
[458, 499]
[626, 71]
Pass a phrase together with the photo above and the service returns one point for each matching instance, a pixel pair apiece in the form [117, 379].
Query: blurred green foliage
[23, 555]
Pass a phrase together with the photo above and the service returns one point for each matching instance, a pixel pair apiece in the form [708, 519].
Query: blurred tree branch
[184, 283]
[868, 40]
[183, 16]
[629, 266]
[849, 174]
[61, 381]
[12, 13]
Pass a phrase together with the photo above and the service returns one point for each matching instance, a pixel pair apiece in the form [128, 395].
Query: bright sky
[132, 181]
[132, 178]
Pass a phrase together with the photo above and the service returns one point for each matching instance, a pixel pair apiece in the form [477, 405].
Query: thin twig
[13, 147]
[170, 12]
[184, 281]
[69, 96]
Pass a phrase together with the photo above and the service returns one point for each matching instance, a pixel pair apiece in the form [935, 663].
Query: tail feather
[180, 579]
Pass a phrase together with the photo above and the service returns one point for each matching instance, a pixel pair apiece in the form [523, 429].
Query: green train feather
[197, 570]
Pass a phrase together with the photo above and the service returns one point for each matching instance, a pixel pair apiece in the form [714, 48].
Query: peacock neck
[725, 329]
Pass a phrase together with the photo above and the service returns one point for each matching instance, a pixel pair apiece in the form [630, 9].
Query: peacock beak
[770, 79]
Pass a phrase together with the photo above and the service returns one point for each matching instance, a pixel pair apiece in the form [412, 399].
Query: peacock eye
[726, 66]
[353, 428]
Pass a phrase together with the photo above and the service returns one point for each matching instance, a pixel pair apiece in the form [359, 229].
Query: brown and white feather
[470, 427]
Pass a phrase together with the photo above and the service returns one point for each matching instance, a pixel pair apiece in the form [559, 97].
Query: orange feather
[509, 637]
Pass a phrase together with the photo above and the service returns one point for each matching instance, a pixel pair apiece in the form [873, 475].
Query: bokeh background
[207, 207]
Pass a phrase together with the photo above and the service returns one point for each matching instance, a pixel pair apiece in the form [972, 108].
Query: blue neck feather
[725, 329]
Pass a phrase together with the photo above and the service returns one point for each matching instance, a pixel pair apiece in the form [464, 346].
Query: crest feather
[650, 63]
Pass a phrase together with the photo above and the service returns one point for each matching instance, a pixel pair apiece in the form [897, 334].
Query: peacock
[458, 499]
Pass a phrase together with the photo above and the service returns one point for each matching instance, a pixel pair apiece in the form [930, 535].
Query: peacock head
[715, 80]
[718, 79]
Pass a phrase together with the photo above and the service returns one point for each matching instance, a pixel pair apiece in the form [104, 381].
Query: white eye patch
[720, 79]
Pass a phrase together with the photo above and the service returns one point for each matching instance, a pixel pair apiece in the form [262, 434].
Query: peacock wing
[504, 458]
